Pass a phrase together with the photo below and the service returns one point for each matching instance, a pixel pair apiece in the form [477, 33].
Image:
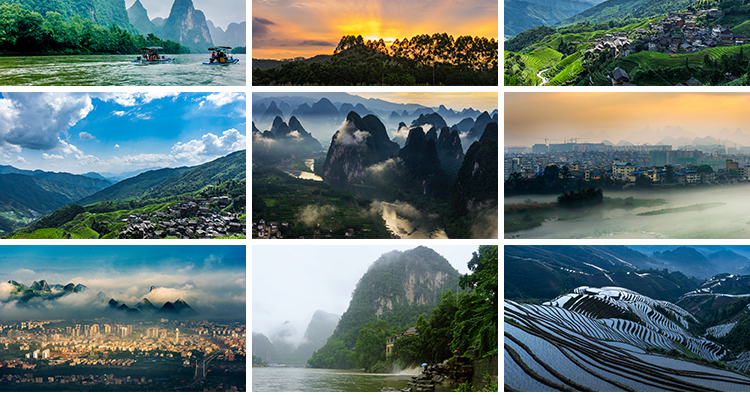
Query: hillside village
[190, 219]
[678, 32]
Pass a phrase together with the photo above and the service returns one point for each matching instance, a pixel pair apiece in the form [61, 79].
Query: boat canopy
[219, 48]
[151, 49]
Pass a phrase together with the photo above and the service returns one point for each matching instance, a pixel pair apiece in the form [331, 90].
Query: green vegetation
[258, 361]
[311, 206]
[458, 322]
[550, 53]
[694, 207]
[170, 183]
[421, 60]
[583, 198]
[24, 32]
[105, 220]
[302, 167]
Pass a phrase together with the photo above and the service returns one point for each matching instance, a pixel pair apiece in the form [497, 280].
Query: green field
[311, 206]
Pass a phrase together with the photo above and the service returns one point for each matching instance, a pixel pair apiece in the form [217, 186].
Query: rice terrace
[633, 328]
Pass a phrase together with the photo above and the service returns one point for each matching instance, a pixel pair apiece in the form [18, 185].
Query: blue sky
[212, 279]
[118, 132]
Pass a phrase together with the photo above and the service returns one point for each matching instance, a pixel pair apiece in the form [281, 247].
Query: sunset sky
[291, 28]
[529, 117]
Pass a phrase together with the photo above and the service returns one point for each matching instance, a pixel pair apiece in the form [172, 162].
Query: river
[108, 70]
[323, 380]
[727, 218]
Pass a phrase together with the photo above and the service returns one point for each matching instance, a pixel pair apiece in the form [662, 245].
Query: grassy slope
[540, 56]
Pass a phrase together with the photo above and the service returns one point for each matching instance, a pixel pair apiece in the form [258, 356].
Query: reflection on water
[407, 222]
[96, 70]
[322, 380]
[305, 175]
[727, 221]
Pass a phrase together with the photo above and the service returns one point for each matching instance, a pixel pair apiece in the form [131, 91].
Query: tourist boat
[220, 57]
[151, 56]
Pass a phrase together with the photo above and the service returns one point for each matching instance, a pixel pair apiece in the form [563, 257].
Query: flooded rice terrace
[107, 70]
[725, 214]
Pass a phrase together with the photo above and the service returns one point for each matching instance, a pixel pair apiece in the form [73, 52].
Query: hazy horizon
[638, 118]
[211, 279]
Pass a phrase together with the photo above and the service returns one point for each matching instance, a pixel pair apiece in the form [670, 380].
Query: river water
[402, 219]
[107, 70]
[323, 380]
[728, 219]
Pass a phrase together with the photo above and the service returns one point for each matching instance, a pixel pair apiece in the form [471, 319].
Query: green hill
[101, 12]
[397, 288]
[523, 15]
[163, 183]
[24, 197]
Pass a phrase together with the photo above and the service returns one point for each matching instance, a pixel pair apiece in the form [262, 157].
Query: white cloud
[119, 113]
[348, 134]
[85, 136]
[117, 145]
[294, 134]
[36, 120]
[223, 98]
[210, 146]
[47, 156]
[131, 99]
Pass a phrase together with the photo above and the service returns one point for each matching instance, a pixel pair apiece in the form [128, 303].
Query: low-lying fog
[727, 221]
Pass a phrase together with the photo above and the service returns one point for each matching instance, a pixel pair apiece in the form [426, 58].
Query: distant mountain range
[675, 136]
[27, 196]
[327, 113]
[545, 271]
[276, 350]
[521, 15]
[187, 26]
[176, 308]
[43, 291]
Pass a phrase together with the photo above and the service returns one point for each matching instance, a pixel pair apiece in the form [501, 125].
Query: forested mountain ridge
[26, 197]
[397, 288]
[101, 12]
[172, 182]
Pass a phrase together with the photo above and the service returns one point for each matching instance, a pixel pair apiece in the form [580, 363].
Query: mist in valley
[727, 217]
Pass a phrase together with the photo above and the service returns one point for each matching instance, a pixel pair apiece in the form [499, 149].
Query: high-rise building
[107, 328]
[45, 354]
[177, 336]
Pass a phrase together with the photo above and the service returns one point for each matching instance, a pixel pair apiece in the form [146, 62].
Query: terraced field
[550, 348]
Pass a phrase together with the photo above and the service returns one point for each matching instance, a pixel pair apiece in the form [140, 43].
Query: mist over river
[323, 380]
[725, 216]
[97, 70]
